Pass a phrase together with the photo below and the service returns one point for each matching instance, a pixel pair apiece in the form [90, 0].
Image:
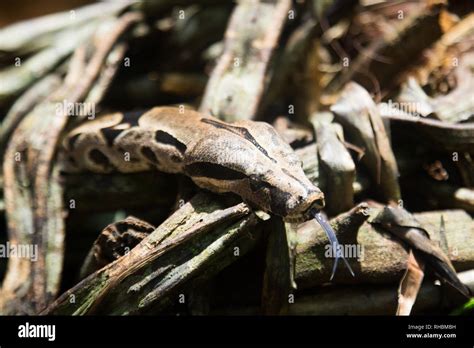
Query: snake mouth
[306, 214]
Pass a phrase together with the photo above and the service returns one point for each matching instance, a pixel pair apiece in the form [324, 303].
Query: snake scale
[247, 158]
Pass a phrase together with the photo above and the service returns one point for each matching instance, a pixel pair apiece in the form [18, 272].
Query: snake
[247, 158]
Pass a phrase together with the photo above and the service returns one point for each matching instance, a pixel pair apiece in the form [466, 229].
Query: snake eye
[256, 183]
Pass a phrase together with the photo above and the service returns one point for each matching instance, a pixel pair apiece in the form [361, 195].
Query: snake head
[286, 192]
[258, 165]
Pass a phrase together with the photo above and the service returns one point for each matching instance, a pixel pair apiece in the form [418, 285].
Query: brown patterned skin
[247, 158]
[115, 240]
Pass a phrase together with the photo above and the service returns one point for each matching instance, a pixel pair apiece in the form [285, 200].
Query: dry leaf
[410, 284]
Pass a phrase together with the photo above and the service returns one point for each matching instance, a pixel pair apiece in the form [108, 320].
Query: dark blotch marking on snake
[166, 138]
[132, 118]
[128, 118]
[176, 159]
[72, 160]
[240, 131]
[124, 226]
[72, 140]
[148, 153]
[99, 158]
[213, 171]
[110, 134]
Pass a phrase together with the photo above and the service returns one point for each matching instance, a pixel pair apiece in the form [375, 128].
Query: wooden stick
[337, 167]
[173, 253]
[378, 257]
[33, 201]
[236, 85]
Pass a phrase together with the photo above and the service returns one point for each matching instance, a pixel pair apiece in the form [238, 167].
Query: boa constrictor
[246, 157]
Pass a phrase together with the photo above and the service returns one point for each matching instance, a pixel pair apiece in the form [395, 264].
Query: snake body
[247, 158]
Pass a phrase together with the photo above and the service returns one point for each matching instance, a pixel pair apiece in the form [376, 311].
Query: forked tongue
[333, 240]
